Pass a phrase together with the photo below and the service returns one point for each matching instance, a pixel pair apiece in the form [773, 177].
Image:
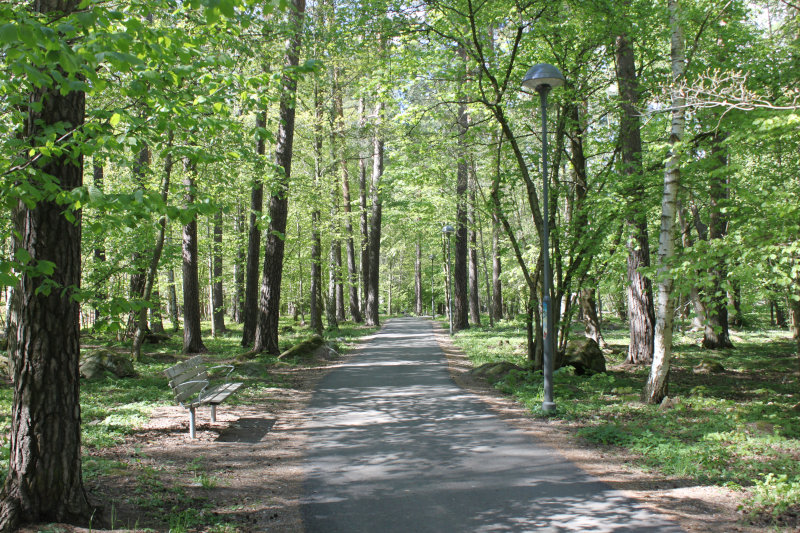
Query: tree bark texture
[658, 382]
[373, 287]
[591, 322]
[192, 332]
[44, 482]
[266, 337]
[497, 263]
[716, 334]
[100, 249]
[316, 241]
[641, 315]
[250, 310]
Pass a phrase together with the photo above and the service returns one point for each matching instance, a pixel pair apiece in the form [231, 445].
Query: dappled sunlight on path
[396, 446]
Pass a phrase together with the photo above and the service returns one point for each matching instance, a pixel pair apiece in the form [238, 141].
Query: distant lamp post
[433, 309]
[541, 78]
[447, 231]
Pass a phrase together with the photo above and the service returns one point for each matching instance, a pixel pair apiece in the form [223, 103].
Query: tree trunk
[238, 268]
[658, 382]
[640, 291]
[418, 278]
[172, 294]
[266, 338]
[474, 279]
[192, 332]
[316, 241]
[362, 181]
[152, 271]
[250, 310]
[217, 293]
[138, 262]
[716, 335]
[331, 307]
[100, 250]
[44, 482]
[373, 295]
[156, 321]
[460, 276]
[695, 300]
[591, 322]
[497, 263]
[735, 303]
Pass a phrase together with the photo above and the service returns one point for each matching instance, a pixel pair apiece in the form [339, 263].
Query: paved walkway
[396, 446]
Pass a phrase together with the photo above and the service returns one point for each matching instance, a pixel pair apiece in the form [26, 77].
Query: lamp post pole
[542, 78]
[449, 230]
[433, 309]
[547, 404]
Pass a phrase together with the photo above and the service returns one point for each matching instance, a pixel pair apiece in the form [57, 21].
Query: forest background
[166, 163]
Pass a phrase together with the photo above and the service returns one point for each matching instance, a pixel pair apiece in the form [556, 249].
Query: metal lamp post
[433, 309]
[541, 78]
[447, 231]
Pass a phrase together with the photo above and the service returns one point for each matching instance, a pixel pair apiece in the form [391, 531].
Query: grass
[737, 429]
[113, 409]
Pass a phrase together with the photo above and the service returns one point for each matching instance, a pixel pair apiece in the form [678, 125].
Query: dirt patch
[695, 508]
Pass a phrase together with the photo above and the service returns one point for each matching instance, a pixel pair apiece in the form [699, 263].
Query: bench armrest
[228, 373]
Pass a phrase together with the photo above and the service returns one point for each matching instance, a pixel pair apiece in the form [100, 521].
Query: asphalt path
[396, 446]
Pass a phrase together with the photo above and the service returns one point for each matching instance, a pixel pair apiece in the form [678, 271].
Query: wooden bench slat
[189, 391]
[184, 378]
[218, 394]
[184, 366]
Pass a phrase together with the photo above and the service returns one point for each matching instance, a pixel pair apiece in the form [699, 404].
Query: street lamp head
[542, 76]
[448, 230]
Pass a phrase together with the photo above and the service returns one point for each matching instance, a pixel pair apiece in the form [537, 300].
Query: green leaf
[114, 120]
[8, 33]
[22, 255]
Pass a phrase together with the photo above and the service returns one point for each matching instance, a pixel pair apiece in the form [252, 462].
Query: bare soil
[245, 470]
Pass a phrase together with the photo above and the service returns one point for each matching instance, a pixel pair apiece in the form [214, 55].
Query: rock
[707, 366]
[306, 349]
[287, 329]
[96, 363]
[585, 356]
[156, 338]
[669, 403]
[5, 368]
[325, 353]
[494, 372]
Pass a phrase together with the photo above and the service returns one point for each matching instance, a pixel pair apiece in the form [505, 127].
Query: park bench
[189, 381]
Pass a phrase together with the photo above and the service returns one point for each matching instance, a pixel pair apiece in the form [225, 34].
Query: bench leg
[191, 422]
[213, 413]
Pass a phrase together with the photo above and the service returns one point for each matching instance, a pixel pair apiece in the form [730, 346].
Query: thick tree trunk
[44, 482]
[418, 278]
[217, 293]
[238, 268]
[266, 338]
[658, 382]
[735, 302]
[192, 332]
[152, 270]
[460, 276]
[640, 291]
[250, 310]
[373, 286]
[716, 335]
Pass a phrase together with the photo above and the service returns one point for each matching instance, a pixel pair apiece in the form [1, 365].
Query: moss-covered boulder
[585, 356]
[312, 348]
[494, 372]
[95, 364]
[707, 366]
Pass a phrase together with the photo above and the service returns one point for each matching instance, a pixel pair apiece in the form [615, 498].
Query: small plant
[772, 497]
[605, 434]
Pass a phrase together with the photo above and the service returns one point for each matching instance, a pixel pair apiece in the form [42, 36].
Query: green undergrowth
[737, 429]
[113, 409]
